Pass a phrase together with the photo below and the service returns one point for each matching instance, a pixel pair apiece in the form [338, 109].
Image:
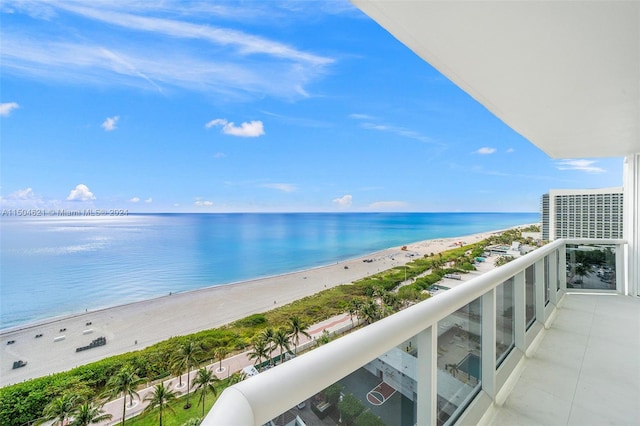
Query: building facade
[582, 213]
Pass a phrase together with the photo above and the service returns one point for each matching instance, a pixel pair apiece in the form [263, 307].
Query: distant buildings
[501, 250]
[582, 213]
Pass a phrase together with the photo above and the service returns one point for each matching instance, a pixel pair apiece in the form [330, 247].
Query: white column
[621, 286]
[562, 268]
[632, 222]
[553, 278]
[539, 290]
[489, 343]
[519, 311]
[427, 386]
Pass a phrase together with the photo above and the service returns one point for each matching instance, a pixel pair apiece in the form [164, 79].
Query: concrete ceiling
[564, 74]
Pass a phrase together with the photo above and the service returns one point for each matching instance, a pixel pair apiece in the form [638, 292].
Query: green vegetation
[60, 409]
[503, 260]
[367, 418]
[180, 416]
[160, 400]
[332, 393]
[531, 228]
[593, 257]
[88, 413]
[370, 298]
[124, 382]
[205, 381]
[512, 235]
[187, 356]
[350, 408]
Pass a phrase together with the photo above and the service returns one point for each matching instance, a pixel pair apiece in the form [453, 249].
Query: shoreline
[49, 346]
[58, 318]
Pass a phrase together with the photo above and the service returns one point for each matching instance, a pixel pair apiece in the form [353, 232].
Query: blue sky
[248, 106]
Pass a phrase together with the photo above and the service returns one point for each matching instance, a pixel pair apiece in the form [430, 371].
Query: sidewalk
[334, 325]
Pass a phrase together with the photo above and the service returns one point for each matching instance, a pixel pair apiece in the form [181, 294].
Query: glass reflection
[459, 361]
[530, 295]
[505, 321]
[591, 267]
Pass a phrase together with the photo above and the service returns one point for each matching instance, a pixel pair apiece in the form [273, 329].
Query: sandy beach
[50, 346]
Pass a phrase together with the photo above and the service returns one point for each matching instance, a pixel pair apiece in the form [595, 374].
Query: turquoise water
[54, 266]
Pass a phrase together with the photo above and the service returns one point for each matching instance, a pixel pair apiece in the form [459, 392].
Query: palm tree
[88, 413]
[60, 408]
[391, 300]
[452, 368]
[267, 334]
[354, 309]
[176, 369]
[186, 357]
[160, 397]
[371, 312]
[260, 350]
[124, 383]
[296, 328]
[219, 353]
[581, 271]
[237, 377]
[205, 381]
[377, 292]
[281, 340]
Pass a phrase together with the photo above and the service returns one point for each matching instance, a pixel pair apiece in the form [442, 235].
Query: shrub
[251, 321]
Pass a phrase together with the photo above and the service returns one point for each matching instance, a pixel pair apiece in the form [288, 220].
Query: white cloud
[203, 203]
[135, 200]
[367, 123]
[219, 155]
[149, 200]
[25, 198]
[387, 205]
[7, 107]
[510, 150]
[344, 201]
[284, 187]
[486, 150]
[244, 43]
[110, 123]
[251, 129]
[81, 193]
[580, 165]
[216, 122]
[360, 117]
[23, 194]
[230, 62]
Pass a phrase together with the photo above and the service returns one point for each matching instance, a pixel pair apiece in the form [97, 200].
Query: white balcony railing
[490, 322]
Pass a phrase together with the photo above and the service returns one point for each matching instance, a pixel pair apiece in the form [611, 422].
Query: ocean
[53, 266]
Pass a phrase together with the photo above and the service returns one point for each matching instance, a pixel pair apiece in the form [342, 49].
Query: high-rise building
[582, 213]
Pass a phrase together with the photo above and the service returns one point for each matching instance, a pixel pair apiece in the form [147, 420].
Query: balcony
[549, 338]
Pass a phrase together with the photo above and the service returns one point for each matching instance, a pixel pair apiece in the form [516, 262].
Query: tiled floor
[586, 369]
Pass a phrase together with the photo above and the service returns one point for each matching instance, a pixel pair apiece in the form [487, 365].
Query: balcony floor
[585, 369]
